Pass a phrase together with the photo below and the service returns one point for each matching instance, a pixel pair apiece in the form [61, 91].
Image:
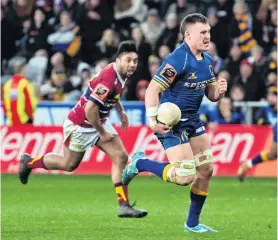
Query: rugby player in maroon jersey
[87, 125]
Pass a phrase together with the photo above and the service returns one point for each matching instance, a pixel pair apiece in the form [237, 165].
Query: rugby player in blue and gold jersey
[184, 77]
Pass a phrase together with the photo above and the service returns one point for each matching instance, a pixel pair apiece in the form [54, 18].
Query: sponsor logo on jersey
[169, 72]
[100, 91]
[199, 85]
[110, 103]
[192, 76]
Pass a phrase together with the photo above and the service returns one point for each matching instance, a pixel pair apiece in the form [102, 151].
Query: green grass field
[84, 207]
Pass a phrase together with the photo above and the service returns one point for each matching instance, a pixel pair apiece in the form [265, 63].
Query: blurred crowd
[63, 43]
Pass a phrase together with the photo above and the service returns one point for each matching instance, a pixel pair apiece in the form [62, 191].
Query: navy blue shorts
[181, 132]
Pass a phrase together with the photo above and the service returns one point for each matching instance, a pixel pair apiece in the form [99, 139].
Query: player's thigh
[114, 149]
[76, 141]
[181, 156]
[199, 143]
[179, 152]
[202, 153]
[71, 158]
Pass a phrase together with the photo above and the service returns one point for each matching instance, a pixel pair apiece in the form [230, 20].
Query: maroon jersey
[105, 90]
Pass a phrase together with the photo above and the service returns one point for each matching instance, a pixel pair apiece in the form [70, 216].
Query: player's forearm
[119, 107]
[92, 115]
[152, 101]
[152, 95]
[213, 93]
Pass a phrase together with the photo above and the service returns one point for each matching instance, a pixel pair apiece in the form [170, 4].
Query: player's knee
[121, 158]
[124, 157]
[184, 181]
[184, 172]
[206, 171]
[209, 171]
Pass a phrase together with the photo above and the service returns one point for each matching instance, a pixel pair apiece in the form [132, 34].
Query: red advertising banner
[230, 145]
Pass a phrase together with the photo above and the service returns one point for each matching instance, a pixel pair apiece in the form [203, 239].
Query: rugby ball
[169, 114]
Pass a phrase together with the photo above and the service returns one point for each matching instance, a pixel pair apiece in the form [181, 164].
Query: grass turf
[84, 207]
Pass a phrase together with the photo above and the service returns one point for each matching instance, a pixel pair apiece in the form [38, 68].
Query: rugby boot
[24, 171]
[200, 228]
[131, 170]
[128, 211]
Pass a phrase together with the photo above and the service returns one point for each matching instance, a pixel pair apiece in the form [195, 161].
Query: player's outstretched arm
[92, 114]
[216, 90]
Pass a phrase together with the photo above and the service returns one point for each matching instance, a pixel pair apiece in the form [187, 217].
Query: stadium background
[60, 69]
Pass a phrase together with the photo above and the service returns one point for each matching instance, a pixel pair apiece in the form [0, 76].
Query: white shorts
[79, 139]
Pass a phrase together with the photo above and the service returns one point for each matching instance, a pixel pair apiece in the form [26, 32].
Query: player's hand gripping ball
[168, 114]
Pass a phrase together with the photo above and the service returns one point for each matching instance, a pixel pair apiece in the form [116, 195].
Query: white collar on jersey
[122, 81]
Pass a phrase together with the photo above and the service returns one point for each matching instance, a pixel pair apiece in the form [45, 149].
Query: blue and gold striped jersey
[184, 79]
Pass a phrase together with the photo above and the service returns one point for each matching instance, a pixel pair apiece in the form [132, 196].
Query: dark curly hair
[127, 47]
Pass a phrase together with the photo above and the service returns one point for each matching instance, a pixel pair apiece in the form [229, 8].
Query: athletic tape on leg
[185, 168]
[203, 157]
[182, 168]
[171, 177]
